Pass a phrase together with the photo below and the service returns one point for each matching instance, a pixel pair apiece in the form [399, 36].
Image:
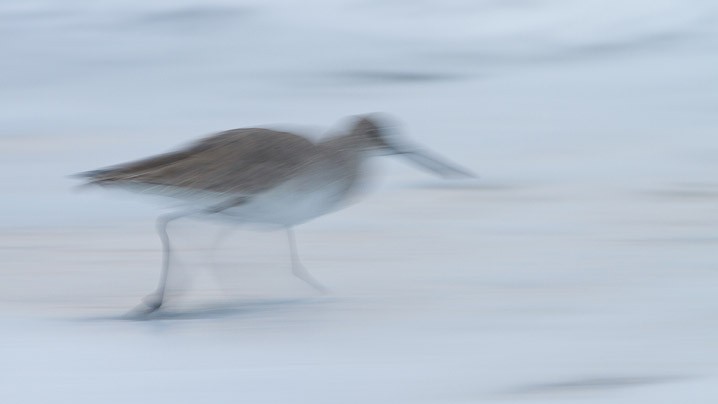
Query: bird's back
[238, 161]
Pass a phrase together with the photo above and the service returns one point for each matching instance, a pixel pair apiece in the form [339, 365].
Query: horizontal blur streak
[579, 267]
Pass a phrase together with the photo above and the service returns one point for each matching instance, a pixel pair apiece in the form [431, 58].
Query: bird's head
[380, 137]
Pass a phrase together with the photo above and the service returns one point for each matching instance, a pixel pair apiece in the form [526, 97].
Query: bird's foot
[150, 304]
[321, 289]
[309, 280]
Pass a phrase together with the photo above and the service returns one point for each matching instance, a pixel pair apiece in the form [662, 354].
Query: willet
[254, 175]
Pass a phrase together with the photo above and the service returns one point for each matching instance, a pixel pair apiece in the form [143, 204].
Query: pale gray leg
[298, 269]
[154, 301]
[214, 267]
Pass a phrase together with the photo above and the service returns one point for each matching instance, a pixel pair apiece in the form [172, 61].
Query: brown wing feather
[243, 161]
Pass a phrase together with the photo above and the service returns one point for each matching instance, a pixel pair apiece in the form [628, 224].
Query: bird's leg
[214, 267]
[154, 301]
[298, 269]
[220, 208]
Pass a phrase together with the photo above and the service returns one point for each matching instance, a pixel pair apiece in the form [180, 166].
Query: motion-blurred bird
[255, 175]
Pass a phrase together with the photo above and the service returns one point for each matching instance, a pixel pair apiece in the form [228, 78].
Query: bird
[263, 176]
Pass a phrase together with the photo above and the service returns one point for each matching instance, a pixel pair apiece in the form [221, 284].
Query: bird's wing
[239, 161]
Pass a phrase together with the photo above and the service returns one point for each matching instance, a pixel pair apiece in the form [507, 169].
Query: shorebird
[255, 175]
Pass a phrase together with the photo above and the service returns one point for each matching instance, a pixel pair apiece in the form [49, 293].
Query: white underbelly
[288, 205]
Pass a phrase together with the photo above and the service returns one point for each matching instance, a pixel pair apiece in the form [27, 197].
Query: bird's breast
[291, 203]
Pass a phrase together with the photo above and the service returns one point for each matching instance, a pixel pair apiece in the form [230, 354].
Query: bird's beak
[432, 163]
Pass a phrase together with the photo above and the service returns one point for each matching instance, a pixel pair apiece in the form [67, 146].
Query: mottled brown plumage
[238, 161]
